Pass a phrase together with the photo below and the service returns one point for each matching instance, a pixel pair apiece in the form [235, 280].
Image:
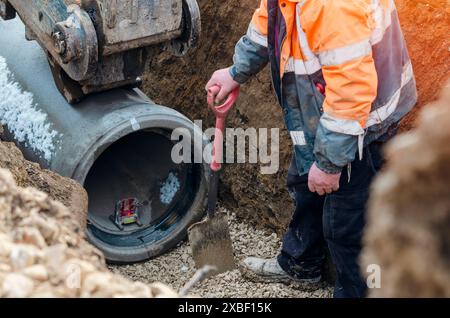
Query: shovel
[210, 239]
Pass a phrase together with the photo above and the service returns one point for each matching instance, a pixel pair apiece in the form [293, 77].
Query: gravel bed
[177, 267]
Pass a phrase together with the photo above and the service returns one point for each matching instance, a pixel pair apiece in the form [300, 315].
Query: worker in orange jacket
[343, 78]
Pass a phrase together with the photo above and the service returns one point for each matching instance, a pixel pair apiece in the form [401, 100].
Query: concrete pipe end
[134, 161]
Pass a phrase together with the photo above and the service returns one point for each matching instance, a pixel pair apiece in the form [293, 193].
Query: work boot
[268, 270]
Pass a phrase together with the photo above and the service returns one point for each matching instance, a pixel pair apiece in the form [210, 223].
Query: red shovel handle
[221, 114]
[221, 110]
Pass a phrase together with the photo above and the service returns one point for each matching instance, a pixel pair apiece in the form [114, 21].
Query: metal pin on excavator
[98, 45]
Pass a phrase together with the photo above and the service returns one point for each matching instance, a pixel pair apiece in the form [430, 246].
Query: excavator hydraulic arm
[97, 45]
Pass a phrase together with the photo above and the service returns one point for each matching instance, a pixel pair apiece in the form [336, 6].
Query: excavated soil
[409, 212]
[43, 254]
[179, 83]
[425, 25]
[29, 174]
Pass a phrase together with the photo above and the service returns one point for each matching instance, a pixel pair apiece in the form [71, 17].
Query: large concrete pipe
[117, 144]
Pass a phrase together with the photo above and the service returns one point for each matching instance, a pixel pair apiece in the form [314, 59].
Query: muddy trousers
[335, 221]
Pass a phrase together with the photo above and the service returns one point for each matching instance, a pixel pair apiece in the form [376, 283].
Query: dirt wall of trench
[180, 84]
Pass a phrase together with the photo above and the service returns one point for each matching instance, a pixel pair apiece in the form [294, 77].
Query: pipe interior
[139, 166]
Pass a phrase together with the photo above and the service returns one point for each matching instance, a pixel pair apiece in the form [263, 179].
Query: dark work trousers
[335, 220]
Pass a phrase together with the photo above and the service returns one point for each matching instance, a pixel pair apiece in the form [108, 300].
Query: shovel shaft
[213, 192]
[221, 112]
[217, 158]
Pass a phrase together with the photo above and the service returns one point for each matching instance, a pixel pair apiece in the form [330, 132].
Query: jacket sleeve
[251, 54]
[339, 34]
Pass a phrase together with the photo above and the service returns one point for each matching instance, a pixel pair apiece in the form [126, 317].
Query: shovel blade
[211, 244]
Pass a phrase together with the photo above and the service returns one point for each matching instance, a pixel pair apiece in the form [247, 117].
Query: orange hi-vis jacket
[340, 69]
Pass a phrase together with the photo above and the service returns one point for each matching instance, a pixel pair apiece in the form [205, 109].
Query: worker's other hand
[223, 79]
[322, 182]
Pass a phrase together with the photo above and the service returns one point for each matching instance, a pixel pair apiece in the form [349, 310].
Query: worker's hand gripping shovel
[210, 239]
